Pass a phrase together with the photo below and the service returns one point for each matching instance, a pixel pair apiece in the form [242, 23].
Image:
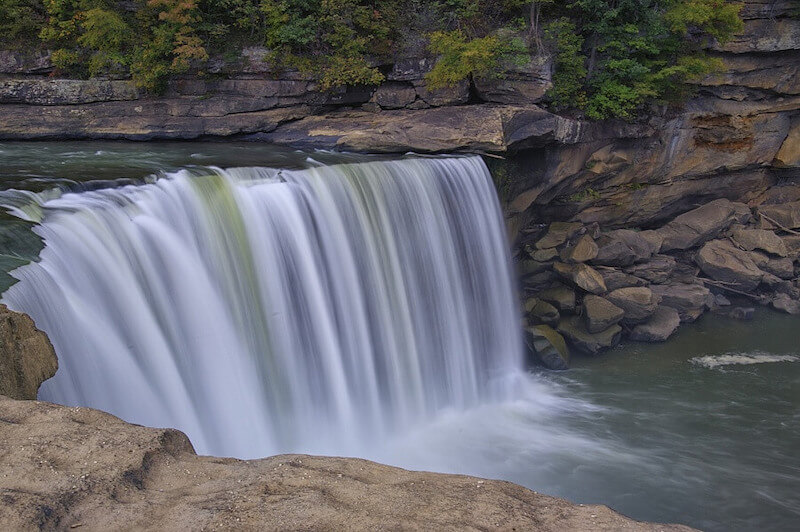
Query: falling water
[264, 311]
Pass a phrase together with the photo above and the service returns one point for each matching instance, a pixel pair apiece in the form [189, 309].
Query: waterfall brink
[264, 310]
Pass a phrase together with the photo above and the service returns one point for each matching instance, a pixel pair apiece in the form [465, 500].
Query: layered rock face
[585, 288]
[65, 468]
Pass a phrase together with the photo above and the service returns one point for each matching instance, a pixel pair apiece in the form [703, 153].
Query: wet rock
[599, 313]
[656, 270]
[583, 250]
[721, 301]
[638, 302]
[622, 247]
[690, 300]
[738, 313]
[722, 261]
[549, 346]
[753, 239]
[590, 343]
[702, 224]
[558, 233]
[615, 278]
[661, 325]
[559, 295]
[544, 312]
[786, 214]
[583, 276]
[26, 356]
[545, 255]
[786, 304]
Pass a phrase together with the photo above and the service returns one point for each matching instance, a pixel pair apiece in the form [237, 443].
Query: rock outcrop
[67, 468]
[27, 357]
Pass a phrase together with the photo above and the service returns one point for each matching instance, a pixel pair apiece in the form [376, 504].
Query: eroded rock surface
[27, 357]
[65, 468]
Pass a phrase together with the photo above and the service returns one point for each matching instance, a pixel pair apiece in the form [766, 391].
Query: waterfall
[263, 310]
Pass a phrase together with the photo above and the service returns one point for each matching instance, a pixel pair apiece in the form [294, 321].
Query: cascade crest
[264, 311]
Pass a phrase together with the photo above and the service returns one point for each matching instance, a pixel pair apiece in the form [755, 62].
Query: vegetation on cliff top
[611, 57]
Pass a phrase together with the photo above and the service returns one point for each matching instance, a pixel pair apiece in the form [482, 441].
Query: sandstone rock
[654, 239]
[702, 224]
[26, 356]
[65, 91]
[656, 270]
[752, 239]
[787, 215]
[622, 247]
[393, 95]
[661, 325]
[77, 468]
[528, 268]
[454, 95]
[781, 268]
[618, 279]
[572, 328]
[638, 302]
[545, 255]
[543, 312]
[583, 250]
[583, 276]
[25, 62]
[524, 84]
[599, 314]
[690, 300]
[786, 304]
[549, 346]
[557, 234]
[789, 154]
[539, 281]
[721, 261]
[792, 243]
[560, 296]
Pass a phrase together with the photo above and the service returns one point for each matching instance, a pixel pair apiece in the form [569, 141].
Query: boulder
[583, 276]
[67, 468]
[538, 281]
[545, 255]
[590, 343]
[583, 250]
[690, 300]
[781, 268]
[27, 357]
[638, 302]
[753, 239]
[656, 270]
[559, 295]
[786, 304]
[661, 325]
[558, 233]
[786, 214]
[615, 278]
[599, 313]
[722, 261]
[549, 346]
[543, 312]
[622, 247]
[702, 224]
[528, 268]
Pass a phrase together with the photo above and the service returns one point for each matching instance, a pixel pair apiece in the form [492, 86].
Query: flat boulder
[656, 270]
[690, 300]
[562, 297]
[761, 239]
[638, 302]
[784, 303]
[599, 313]
[781, 216]
[615, 278]
[622, 247]
[722, 261]
[583, 276]
[661, 325]
[558, 233]
[583, 250]
[702, 224]
[549, 346]
[781, 268]
[590, 343]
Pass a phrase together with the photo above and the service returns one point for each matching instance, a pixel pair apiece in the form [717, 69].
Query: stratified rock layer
[64, 468]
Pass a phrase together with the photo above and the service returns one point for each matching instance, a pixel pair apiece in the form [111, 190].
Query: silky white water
[264, 311]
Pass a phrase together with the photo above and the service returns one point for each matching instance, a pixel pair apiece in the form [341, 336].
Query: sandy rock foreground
[76, 468]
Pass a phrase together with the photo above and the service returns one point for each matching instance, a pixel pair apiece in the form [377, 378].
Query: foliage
[20, 21]
[569, 63]
[459, 58]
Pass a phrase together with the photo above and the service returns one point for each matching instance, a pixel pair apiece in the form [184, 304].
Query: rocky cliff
[27, 357]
